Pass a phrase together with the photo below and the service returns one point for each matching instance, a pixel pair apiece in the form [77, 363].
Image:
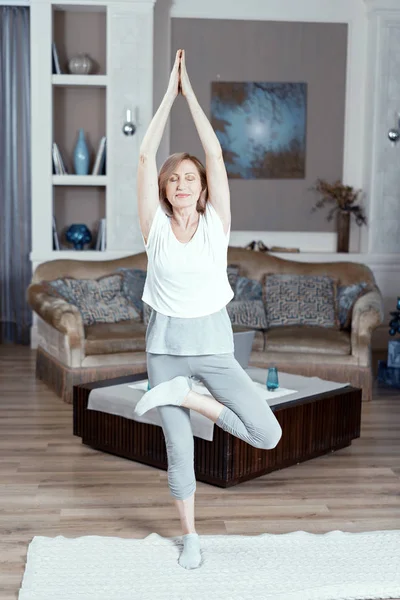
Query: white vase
[81, 64]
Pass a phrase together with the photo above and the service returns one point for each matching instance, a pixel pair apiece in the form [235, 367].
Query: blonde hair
[165, 173]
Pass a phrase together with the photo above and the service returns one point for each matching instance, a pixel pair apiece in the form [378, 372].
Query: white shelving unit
[118, 36]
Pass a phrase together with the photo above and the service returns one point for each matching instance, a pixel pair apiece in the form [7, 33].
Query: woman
[185, 222]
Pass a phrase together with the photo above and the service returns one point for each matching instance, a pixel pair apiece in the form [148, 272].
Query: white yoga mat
[292, 566]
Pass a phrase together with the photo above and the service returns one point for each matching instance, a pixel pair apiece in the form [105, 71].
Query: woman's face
[183, 188]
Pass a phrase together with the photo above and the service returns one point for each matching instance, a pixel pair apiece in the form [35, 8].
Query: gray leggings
[245, 414]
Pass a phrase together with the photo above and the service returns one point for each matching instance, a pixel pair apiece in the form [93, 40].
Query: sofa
[70, 351]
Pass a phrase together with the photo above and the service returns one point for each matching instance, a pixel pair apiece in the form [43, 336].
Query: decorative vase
[343, 231]
[272, 379]
[78, 234]
[81, 155]
[81, 64]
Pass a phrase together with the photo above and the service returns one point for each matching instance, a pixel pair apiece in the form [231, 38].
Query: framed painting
[261, 128]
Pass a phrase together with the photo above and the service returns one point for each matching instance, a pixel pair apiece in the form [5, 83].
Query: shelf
[80, 80]
[90, 180]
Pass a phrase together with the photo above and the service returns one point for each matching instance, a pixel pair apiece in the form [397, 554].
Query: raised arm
[217, 178]
[147, 177]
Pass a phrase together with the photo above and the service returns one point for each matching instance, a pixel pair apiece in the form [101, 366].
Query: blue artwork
[261, 128]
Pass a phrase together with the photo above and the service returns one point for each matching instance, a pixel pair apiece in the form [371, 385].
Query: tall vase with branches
[344, 198]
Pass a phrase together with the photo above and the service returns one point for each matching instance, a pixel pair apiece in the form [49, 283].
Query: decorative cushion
[248, 289]
[300, 300]
[60, 288]
[98, 300]
[133, 286]
[233, 273]
[346, 298]
[248, 313]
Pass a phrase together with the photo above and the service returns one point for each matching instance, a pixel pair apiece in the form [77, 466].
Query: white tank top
[187, 279]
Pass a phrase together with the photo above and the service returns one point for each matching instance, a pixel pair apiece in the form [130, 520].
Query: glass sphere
[81, 64]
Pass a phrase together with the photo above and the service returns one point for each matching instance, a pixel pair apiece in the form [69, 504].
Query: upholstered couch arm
[58, 313]
[368, 314]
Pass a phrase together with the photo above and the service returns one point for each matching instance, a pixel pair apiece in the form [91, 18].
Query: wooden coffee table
[311, 426]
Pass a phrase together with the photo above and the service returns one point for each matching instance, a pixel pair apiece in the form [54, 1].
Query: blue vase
[81, 155]
[272, 379]
[78, 234]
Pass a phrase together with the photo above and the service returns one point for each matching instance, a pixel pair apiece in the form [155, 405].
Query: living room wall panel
[235, 50]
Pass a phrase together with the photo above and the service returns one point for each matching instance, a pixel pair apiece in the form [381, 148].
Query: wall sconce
[128, 128]
[394, 133]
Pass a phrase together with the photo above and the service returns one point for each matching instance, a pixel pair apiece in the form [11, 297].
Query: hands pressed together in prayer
[179, 82]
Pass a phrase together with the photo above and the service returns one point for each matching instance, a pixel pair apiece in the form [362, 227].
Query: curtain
[15, 174]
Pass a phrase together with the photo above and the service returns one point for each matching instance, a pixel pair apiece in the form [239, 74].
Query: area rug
[292, 566]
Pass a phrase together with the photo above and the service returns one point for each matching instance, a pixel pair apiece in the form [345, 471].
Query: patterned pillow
[248, 313]
[248, 289]
[346, 298]
[300, 300]
[98, 300]
[233, 273]
[133, 286]
[59, 288]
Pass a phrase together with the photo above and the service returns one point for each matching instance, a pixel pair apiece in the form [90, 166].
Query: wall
[232, 50]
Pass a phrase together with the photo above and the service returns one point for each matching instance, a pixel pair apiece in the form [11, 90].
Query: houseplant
[343, 197]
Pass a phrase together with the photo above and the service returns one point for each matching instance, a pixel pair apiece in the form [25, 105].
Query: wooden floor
[50, 484]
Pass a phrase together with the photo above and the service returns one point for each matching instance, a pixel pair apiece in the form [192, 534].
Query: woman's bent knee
[268, 439]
